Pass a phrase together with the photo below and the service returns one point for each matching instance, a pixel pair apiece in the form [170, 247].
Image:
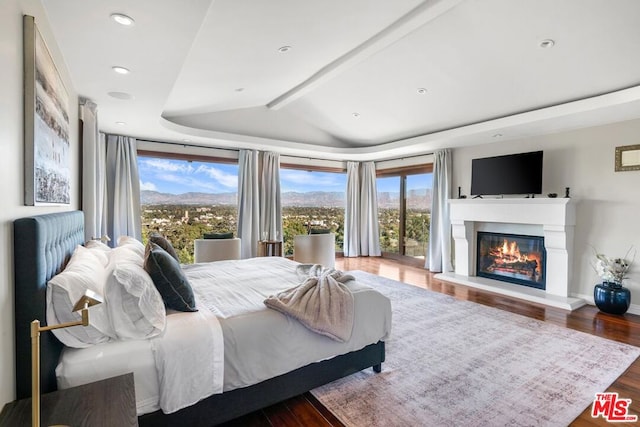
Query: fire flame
[509, 253]
[506, 257]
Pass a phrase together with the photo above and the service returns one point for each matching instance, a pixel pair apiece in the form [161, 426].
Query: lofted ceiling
[356, 79]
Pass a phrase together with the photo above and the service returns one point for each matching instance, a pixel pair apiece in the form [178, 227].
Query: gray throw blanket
[321, 302]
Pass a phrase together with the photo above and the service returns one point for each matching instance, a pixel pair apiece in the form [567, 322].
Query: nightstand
[110, 402]
[269, 248]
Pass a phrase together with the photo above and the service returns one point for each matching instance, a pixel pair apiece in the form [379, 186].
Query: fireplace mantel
[552, 218]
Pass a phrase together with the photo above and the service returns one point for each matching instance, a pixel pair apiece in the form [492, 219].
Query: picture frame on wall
[46, 124]
[628, 158]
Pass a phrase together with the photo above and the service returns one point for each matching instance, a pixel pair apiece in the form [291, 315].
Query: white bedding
[192, 339]
[259, 343]
[79, 366]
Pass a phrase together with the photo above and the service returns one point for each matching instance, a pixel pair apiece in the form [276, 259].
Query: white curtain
[369, 233]
[439, 256]
[351, 245]
[270, 201]
[93, 173]
[361, 235]
[248, 203]
[123, 187]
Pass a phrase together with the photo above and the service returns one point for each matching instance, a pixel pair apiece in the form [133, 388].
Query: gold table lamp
[87, 300]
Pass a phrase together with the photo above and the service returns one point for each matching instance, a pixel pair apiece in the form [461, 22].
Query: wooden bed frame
[42, 246]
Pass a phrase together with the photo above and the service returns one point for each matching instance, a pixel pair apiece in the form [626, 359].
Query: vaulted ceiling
[356, 79]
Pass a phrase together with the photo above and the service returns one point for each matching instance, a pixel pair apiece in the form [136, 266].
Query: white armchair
[206, 250]
[315, 249]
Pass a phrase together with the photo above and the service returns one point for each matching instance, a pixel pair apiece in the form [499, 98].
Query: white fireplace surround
[554, 219]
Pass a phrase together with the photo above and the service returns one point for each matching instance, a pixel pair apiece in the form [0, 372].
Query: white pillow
[135, 306]
[84, 271]
[132, 243]
[98, 245]
[125, 254]
[99, 250]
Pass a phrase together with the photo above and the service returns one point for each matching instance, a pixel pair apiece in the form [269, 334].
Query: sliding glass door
[417, 214]
[389, 213]
[404, 205]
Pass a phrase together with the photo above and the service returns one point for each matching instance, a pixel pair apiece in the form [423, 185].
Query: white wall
[12, 160]
[608, 202]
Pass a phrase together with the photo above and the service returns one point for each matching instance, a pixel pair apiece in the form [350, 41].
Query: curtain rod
[405, 157]
[284, 155]
[184, 144]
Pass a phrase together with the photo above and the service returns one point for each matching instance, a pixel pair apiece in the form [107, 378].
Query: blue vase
[612, 298]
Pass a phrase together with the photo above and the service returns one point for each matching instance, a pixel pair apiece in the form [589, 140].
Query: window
[389, 213]
[404, 205]
[312, 199]
[417, 215]
[183, 199]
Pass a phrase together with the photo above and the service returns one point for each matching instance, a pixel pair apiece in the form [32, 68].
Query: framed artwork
[628, 158]
[46, 124]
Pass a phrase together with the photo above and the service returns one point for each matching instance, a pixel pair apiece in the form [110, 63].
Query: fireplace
[553, 218]
[513, 258]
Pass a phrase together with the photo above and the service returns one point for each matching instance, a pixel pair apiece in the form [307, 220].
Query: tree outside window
[183, 199]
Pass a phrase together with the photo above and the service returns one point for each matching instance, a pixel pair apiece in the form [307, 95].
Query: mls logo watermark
[612, 408]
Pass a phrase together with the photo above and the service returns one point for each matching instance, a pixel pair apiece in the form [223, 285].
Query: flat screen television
[511, 174]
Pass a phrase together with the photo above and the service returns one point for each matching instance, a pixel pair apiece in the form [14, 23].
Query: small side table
[106, 403]
[269, 248]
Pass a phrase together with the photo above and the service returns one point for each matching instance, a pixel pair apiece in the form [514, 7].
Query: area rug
[458, 363]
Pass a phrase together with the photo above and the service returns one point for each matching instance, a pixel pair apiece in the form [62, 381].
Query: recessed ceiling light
[547, 43]
[121, 95]
[421, 91]
[355, 115]
[120, 123]
[284, 49]
[120, 70]
[122, 19]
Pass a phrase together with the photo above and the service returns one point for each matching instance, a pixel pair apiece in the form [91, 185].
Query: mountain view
[148, 197]
[332, 199]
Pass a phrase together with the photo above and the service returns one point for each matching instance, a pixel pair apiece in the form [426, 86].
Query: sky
[181, 176]
[414, 182]
[303, 181]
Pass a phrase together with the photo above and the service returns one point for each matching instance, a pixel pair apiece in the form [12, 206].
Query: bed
[42, 244]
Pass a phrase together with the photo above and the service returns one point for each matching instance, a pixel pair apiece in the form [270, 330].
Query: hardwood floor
[306, 411]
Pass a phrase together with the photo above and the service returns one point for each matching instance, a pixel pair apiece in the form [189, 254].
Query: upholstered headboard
[41, 246]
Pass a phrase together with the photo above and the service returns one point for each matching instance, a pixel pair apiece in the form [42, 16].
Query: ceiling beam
[411, 21]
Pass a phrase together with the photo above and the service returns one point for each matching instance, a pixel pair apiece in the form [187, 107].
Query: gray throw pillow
[169, 279]
[228, 235]
[319, 231]
[164, 243]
